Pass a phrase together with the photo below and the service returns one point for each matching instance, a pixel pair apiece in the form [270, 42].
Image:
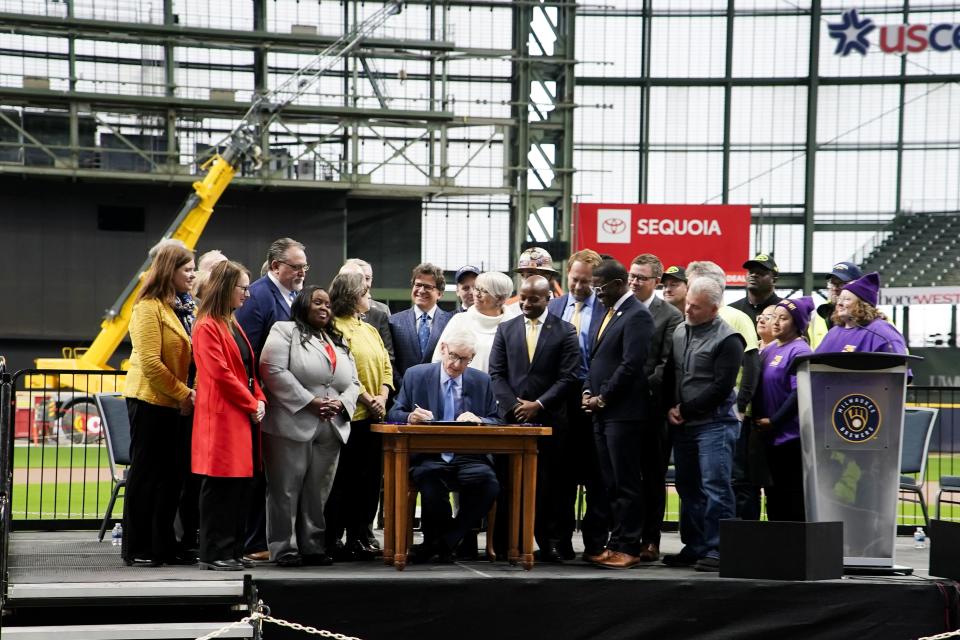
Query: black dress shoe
[317, 560]
[361, 550]
[445, 556]
[183, 558]
[290, 560]
[421, 553]
[373, 543]
[549, 553]
[142, 562]
[566, 550]
[223, 565]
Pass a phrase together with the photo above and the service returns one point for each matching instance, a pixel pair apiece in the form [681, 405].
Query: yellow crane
[190, 222]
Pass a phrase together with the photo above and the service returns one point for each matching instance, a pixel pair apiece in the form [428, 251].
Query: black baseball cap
[676, 272]
[462, 271]
[761, 260]
[845, 272]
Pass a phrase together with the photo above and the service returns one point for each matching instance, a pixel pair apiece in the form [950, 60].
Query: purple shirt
[878, 336]
[776, 385]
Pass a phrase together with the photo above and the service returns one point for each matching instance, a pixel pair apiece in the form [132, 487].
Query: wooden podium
[402, 440]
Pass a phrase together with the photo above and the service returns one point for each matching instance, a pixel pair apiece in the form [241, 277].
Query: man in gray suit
[644, 276]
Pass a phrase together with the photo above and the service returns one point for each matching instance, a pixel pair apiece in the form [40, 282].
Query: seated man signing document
[448, 391]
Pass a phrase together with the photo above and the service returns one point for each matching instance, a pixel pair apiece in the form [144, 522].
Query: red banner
[676, 233]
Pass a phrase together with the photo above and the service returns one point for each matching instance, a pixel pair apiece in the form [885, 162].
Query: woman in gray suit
[311, 385]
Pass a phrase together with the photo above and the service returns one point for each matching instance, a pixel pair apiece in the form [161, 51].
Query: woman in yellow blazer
[353, 500]
[159, 403]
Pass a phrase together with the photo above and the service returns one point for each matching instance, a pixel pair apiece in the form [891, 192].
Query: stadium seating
[922, 250]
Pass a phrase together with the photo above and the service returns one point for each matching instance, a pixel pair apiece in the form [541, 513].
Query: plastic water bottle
[116, 536]
[919, 539]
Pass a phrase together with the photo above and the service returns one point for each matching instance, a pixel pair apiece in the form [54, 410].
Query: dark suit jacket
[379, 319]
[554, 373]
[264, 307]
[556, 307]
[406, 344]
[616, 366]
[666, 317]
[421, 387]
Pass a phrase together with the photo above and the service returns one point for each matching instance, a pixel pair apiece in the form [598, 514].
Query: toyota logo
[614, 226]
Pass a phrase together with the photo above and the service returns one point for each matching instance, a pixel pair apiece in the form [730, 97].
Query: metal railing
[60, 470]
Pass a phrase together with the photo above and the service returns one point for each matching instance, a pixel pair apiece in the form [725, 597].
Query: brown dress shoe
[649, 552]
[258, 557]
[595, 558]
[619, 560]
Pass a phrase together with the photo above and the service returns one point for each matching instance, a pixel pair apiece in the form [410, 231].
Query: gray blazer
[294, 374]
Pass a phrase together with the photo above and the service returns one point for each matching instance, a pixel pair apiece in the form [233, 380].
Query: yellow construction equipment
[189, 224]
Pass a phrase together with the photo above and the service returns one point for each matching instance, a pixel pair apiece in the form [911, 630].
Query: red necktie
[332, 354]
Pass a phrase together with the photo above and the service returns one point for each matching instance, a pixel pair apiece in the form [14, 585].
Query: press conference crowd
[251, 403]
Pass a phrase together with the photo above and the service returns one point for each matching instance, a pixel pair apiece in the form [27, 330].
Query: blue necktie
[293, 296]
[424, 333]
[449, 410]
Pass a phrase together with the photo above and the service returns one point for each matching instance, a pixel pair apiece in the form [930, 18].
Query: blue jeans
[703, 456]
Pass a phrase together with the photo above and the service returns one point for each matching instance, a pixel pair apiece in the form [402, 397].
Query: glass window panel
[858, 114]
[214, 14]
[768, 115]
[609, 46]
[861, 182]
[930, 113]
[606, 176]
[684, 177]
[930, 180]
[831, 247]
[771, 46]
[459, 231]
[608, 114]
[775, 178]
[783, 241]
[687, 47]
[683, 115]
[685, 5]
[748, 5]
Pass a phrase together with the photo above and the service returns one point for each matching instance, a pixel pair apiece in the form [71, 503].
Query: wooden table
[401, 440]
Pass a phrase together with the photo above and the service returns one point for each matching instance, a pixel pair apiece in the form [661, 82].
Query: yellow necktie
[606, 321]
[532, 338]
[575, 320]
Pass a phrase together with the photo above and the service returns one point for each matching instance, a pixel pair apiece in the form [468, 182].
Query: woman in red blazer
[226, 425]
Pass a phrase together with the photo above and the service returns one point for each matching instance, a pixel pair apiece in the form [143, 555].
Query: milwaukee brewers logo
[856, 418]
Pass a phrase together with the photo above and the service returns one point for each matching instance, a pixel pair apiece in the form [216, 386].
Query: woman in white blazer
[311, 384]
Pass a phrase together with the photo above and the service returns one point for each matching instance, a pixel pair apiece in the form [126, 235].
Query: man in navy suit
[583, 309]
[617, 394]
[269, 302]
[272, 295]
[416, 330]
[535, 364]
[448, 391]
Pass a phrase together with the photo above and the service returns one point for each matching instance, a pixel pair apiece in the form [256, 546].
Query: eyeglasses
[423, 285]
[480, 290]
[244, 289]
[641, 278]
[296, 267]
[599, 290]
[455, 359]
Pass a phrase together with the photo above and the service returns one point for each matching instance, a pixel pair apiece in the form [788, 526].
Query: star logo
[851, 33]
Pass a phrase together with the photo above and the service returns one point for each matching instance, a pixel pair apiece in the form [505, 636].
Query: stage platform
[71, 575]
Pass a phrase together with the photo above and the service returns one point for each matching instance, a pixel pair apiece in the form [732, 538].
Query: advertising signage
[676, 233]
